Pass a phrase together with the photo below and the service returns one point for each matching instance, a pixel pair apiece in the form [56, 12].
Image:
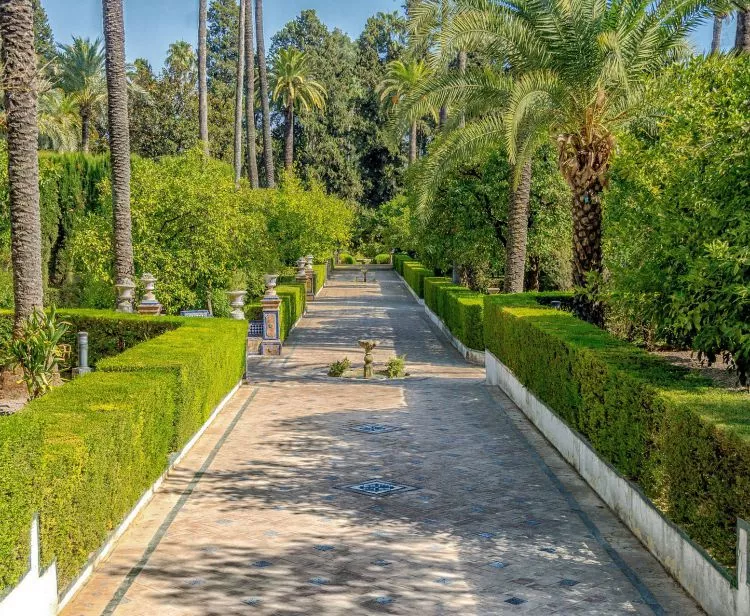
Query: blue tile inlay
[378, 487]
[383, 600]
[515, 601]
[533, 522]
[324, 548]
[319, 581]
[444, 581]
[381, 563]
[375, 428]
[487, 535]
[197, 582]
[498, 564]
[549, 550]
[567, 582]
[252, 601]
[262, 564]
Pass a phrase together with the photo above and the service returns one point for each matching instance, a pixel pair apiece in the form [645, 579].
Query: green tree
[264, 96]
[81, 75]
[403, 78]
[203, 75]
[44, 40]
[293, 87]
[579, 97]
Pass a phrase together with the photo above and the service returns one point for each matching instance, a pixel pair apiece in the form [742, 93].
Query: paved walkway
[485, 518]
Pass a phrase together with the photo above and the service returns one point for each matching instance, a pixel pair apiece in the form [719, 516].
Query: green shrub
[382, 259]
[395, 367]
[321, 275]
[684, 442]
[292, 306]
[338, 368]
[431, 286]
[414, 274]
[399, 261]
[347, 259]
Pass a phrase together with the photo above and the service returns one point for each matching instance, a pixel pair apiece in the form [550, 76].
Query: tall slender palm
[401, 79]
[251, 153]
[119, 136]
[239, 89]
[294, 87]
[581, 67]
[203, 74]
[742, 37]
[20, 93]
[265, 100]
[716, 35]
[81, 70]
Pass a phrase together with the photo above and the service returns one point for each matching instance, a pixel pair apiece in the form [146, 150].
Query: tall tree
[742, 37]
[716, 35]
[20, 95]
[119, 136]
[293, 87]
[264, 96]
[401, 79]
[44, 40]
[81, 66]
[251, 153]
[238, 110]
[202, 76]
[580, 99]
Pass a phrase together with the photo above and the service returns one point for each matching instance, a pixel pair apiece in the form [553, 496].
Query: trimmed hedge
[347, 259]
[320, 277]
[109, 332]
[400, 260]
[382, 259]
[293, 300]
[683, 441]
[461, 309]
[414, 274]
[84, 454]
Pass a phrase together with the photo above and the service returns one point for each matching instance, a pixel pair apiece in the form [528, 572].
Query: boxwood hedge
[293, 299]
[683, 441]
[84, 454]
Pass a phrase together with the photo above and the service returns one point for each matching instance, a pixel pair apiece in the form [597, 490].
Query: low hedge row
[109, 332]
[84, 454]
[414, 274]
[400, 260]
[320, 277]
[292, 305]
[459, 308]
[684, 442]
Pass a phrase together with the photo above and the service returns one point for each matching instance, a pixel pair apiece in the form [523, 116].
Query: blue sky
[151, 25]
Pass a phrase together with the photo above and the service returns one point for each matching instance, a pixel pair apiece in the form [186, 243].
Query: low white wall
[688, 563]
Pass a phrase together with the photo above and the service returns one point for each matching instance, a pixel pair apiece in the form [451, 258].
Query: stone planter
[237, 302]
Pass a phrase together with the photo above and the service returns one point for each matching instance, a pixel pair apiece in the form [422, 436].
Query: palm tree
[20, 94]
[119, 136]
[580, 73]
[251, 154]
[742, 37]
[401, 79]
[264, 98]
[202, 75]
[81, 69]
[240, 86]
[292, 87]
[716, 35]
[58, 119]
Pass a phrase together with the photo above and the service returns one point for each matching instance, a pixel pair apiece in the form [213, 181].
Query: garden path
[489, 519]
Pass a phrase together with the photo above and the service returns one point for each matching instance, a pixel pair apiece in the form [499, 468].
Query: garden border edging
[689, 564]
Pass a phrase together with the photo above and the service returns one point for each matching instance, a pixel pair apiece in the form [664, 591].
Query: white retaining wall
[688, 563]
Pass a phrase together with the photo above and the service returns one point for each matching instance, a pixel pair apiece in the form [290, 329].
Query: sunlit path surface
[485, 518]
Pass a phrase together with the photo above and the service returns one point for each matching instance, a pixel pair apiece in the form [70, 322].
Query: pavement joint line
[643, 590]
[130, 578]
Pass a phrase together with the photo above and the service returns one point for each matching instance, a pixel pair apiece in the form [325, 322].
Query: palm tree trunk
[518, 229]
[251, 154]
[265, 101]
[238, 110]
[85, 129]
[413, 143]
[534, 274]
[289, 138]
[587, 248]
[202, 75]
[443, 117]
[20, 92]
[742, 38]
[119, 136]
[716, 37]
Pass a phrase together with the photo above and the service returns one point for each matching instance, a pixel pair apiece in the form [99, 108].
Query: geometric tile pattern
[378, 487]
[375, 428]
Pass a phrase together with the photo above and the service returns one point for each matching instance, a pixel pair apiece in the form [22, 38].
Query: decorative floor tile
[375, 428]
[378, 487]
[567, 582]
[254, 601]
[498, 564]
[324, 548]
[319, 581]
[515, 601]
[262, 564]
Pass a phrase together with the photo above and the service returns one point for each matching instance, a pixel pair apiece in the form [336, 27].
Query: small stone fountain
[368, 346]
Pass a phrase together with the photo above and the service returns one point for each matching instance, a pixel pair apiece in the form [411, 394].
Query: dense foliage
[677, 218]
[83, 455]
[685, 443]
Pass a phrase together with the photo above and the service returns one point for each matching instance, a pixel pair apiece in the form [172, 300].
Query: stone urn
[270, 280]
[125, 289]
[237, 302]
[149, 304]
[368, 346]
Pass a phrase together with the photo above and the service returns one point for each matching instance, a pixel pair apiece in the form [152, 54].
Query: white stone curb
[691, 566]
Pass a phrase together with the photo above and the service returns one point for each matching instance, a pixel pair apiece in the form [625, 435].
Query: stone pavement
[483, 518]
